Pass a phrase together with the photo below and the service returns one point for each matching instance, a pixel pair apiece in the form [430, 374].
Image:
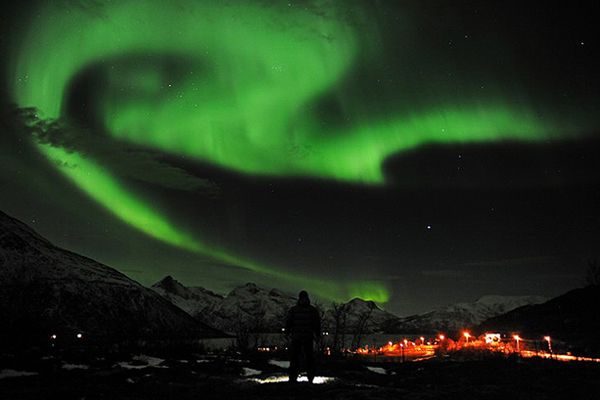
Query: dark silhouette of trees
[320, 340]
[361, 325]
[592, 274]
[249, 329]
[339, 314]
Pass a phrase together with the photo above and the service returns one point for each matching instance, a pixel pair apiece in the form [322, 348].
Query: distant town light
[53, 337]
[79, 336]
[467, 335]
[517, 339]
[547, 339]
[493, 338]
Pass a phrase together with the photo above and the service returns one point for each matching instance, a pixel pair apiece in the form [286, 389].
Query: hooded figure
[303, 325]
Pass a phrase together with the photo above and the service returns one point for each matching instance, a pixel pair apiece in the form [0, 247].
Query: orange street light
[402, 351]
[547, 339]
[467, 335]
[517, 339]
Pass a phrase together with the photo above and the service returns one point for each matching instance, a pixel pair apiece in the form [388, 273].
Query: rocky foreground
[235, 377]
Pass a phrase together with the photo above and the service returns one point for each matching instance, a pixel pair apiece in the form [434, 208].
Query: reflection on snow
[284, 378]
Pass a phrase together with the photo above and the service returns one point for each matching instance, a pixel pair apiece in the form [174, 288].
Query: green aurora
[244, 103]
[109, 192]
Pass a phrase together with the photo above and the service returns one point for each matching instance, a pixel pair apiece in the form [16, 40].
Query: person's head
[303, 297]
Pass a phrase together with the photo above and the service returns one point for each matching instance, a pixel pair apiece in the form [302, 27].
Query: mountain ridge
[265, 308]
[47, 290]
[454, 317]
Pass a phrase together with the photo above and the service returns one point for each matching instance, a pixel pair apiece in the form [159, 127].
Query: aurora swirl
[244, 102]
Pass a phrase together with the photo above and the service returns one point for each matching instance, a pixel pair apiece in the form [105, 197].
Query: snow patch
[377, 370]
[70, 367]
[250, 371]
[11, 373]
[150, 362]
[280, 364]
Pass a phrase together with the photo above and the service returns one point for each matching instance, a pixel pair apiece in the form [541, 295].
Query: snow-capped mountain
[256, 308]
[196, 301]
[252, 307]
[462, 315]
[360, 315]
[245, 307]
[263, 309]
[47, 290]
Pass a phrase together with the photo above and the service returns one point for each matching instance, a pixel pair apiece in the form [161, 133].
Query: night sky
[417, 153]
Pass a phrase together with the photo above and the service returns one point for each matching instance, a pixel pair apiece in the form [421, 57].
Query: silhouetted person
[303, 325]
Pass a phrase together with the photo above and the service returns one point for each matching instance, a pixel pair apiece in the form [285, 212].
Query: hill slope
[458, 316]
[46, 290]
[573, 317]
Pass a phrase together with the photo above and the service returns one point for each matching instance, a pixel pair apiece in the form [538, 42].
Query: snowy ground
[11, 373]
[145, 376]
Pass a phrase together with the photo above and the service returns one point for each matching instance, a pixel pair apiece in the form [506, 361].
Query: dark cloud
[123, 159]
